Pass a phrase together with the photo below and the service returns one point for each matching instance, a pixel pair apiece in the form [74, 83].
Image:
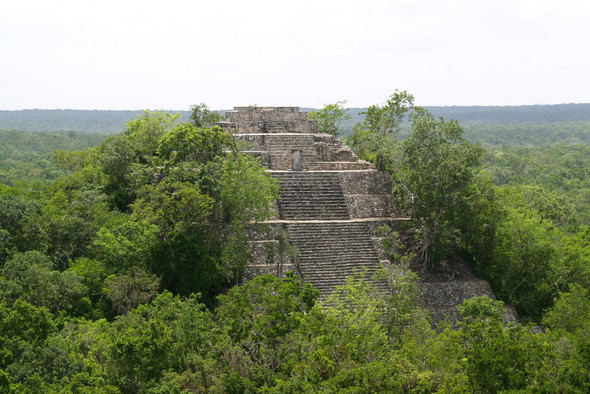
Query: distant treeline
[515, 114]
[65, 120]
[528, 133]
[524, 125]
[28, 156]
[471, 117]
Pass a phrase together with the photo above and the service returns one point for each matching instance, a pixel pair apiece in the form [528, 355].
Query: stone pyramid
[330, 205]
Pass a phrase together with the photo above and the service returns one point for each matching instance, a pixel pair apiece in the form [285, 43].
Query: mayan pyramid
[330, 205]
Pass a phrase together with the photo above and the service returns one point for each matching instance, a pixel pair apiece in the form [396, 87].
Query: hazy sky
[128, 54]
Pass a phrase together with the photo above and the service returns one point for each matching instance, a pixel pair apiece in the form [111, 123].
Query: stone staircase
[278, 127]
[311, 196]
[329, 252]
[280, 148]
[331, 246]
[324, 221]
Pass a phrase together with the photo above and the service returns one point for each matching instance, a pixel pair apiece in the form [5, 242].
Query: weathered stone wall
[368, 206]
[268, 260]
[266, 114]
[365, 182]
[442, 298]
[367, 193]
[249, 120]
[266, 251]
[265, 133]
[330, 148]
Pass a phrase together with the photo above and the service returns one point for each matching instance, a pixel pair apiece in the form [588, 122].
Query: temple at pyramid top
[284, 139]
[256, 120]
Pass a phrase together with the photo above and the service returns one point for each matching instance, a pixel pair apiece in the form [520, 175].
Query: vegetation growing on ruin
[117, 268]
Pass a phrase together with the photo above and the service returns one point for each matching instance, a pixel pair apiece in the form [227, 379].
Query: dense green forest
[27, 156]
[65, 120]
[494, 125]
[118, 264]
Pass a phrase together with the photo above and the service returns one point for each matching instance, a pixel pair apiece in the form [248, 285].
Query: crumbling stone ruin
[330, 205]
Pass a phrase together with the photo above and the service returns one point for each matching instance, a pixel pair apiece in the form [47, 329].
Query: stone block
[368, 205]
[441, 294]
[365, 182]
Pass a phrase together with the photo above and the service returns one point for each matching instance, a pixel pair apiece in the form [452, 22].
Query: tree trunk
[423, 255]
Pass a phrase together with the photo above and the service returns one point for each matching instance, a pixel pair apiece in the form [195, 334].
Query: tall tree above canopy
[144, 133]
[432, 172]
[202, 116]
[330, 117]
[432, 169]
[385, 120]
[376, 137]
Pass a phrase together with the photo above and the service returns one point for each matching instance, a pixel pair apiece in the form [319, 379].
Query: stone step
[328, 287]
[315, 249]
[320, 209]
[322, 264]
[357, 245]
[328, 252]
[320, 186]
[342, 273]
[305, 196]
[318, 261]
[339, 260]
[325, 200]
[310, 198]
[318, 236]
[342, 244]
[360, 246]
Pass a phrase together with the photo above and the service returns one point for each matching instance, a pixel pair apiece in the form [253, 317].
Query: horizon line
[310, 107]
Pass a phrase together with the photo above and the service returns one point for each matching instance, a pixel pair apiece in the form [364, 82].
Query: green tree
[128, 291]
[116, 157]
[21, 225]
[571, 313]
[125, 242]
[330, 117]
[23, 328]
[182, 255]
[29, 276]
[246, 191]
[432, 170]
[431, 176]
[510, 357]
[169, 334]
[376, 137]
[496, 359]
[516, 249]
[27, 322]
[71, 237]
[144, 133]
[189, 143]
[573, 264]
[201, 116]
[386, 119]
[257, 317]
[92, 274]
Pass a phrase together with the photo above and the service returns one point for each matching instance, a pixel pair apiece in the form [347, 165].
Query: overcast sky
[128, 54]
